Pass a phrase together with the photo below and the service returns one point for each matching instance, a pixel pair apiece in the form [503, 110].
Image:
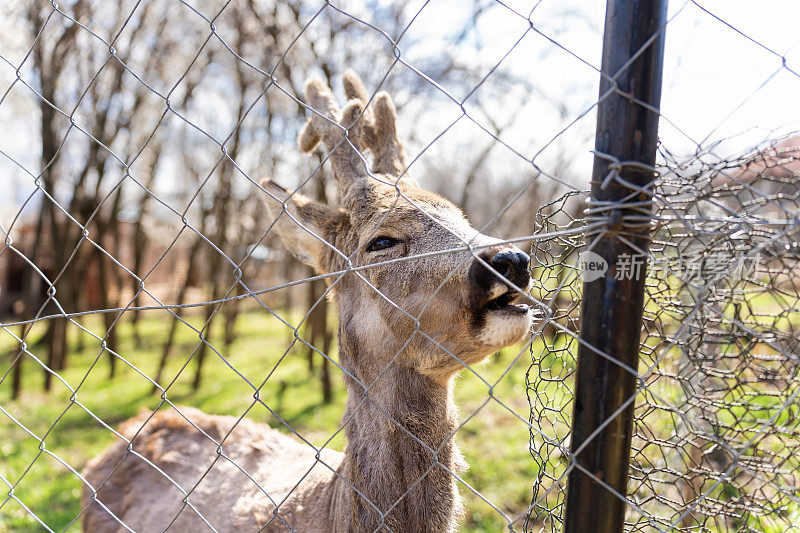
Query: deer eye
[382, 243]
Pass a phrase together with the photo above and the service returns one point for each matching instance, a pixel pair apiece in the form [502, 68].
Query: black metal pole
[611, 311]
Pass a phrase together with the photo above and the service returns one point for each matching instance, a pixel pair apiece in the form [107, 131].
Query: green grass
[494, 441]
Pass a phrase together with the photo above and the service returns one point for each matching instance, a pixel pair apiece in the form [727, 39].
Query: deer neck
[393, 431]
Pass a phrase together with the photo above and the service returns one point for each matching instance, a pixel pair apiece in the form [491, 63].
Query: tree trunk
[140, 240]
[327, 342]
[57, 235]
[56, 341]
[321, 334]
[231, 314]
[30, 294]
[108, 318]
[173, 328]
[313, 295]
[16, 372]
[207, 335]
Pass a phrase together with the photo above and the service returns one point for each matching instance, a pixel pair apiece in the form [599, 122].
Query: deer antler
[380, 129]
[374, 128]
[330, 125]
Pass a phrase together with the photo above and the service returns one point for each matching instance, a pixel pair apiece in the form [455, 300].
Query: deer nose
[513, 265]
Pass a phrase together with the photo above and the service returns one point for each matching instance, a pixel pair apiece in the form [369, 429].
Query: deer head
[413, 280]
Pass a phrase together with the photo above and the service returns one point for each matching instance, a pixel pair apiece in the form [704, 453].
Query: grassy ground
[495, 441]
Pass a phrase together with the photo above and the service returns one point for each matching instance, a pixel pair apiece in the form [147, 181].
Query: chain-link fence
[180, 326]
[715, 437]
[714, 434]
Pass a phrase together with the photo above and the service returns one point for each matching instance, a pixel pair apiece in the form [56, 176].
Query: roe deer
[415, 305]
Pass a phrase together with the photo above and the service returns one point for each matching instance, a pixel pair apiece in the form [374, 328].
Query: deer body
[406, 328]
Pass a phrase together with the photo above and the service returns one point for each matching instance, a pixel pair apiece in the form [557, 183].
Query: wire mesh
[714, 429]
[715, 436]
[725, 380]
[139, 272]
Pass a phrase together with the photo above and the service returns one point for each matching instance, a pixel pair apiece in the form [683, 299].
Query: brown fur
[405, 329]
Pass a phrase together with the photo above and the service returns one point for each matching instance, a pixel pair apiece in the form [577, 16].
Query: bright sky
[718, 83]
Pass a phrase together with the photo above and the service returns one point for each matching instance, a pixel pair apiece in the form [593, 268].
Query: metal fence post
[611, 311]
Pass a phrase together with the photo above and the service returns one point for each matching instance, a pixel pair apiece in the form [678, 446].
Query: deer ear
[303, 224]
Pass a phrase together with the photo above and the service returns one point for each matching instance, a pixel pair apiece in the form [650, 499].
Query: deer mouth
[508, 301]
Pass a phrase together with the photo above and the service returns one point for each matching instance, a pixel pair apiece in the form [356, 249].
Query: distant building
[766, 183]
[164, 263]
[765, 188]
[15, 263]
